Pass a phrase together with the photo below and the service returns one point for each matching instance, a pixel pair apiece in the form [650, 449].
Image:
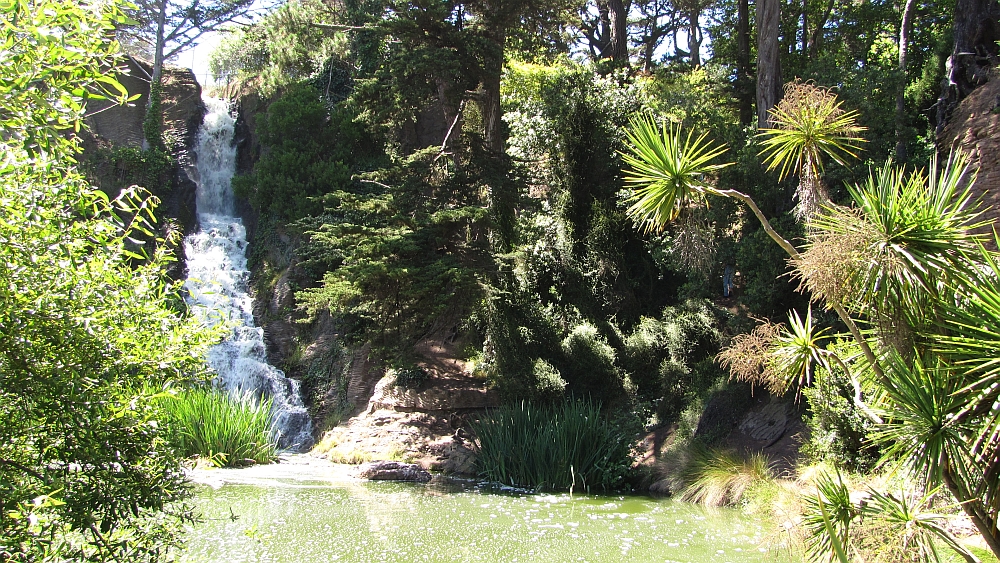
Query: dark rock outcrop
[183, 111]
[394, 471]
[974, 127]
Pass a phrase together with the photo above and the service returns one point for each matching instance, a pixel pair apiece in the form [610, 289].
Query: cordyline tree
[901, 260]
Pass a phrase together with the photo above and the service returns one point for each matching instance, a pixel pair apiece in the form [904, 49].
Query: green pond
[310, 512]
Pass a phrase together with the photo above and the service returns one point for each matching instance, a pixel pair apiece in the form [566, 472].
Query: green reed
[210, 423]
[562, 447]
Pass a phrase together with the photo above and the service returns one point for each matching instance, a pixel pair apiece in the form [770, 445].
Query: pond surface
[304, 512]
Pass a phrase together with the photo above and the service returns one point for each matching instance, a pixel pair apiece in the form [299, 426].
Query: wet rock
[394, 471]
[660, 488]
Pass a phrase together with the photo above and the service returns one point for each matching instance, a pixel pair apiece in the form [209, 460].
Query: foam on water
[217, 285]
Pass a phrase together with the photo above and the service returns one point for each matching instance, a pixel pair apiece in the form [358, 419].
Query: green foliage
[878, 526]
[152, 125]
[667, 171]
[809, 123]
[210, 423]
[767, 289]
[591, 365]
[410, 377]
[699, 98]
[311, 150]
[566, 446]
[392, 263]
[282, 49]
[828, 518]
[671, 360]
[797, 351]
[906, 233]
[548, 384]
[838, 430]
[133, 166]
[87, 318]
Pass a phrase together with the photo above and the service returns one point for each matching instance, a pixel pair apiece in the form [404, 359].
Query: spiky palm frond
[809, 123]
[828, 517]
[921, 429]
[924, 220]
[889, 253]
[798, 349]
[668, 170]
[904, 524]
[972, 341]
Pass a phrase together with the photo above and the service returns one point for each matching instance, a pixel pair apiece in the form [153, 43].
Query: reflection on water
[330, 517]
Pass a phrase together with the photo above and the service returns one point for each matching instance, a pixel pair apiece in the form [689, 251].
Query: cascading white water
[217, 285]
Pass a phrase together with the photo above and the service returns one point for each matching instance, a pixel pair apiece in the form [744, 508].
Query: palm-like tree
[904, 258]
[669, 171]
[808, 124]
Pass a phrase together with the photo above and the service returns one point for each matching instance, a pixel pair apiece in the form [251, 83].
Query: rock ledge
[394, 471]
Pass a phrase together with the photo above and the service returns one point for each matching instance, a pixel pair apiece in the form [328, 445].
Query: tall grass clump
[208, 422]
[721, 478]
[569, 445]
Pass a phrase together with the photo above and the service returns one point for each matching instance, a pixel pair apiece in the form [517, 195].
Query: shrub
[670, 360]
[549, 384]
[209, 422]
[553, 448]
[128, 165]
[591, 361]
[838, 429]
[410, 377]
[311, 150]
[88, 319]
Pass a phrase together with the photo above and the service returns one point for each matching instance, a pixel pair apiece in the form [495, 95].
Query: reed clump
[561, 447]
[210, 423]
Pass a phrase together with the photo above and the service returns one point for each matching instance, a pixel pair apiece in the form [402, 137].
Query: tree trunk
[768, 69]
[744, 77]
[606, 46]
[489, 106]
[501, 192]
[976, 31]
[904, 39]
[805, 27]
[619, 31]
[161, 22]
[647, 53]
[152, 105]
[817, 33]
[694, 35]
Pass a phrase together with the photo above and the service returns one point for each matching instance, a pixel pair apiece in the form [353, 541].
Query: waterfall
[217, 285]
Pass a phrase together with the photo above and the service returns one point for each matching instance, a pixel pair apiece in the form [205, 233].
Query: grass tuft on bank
[210, 423]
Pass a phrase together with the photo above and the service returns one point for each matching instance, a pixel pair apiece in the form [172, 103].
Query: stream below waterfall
[307, 510]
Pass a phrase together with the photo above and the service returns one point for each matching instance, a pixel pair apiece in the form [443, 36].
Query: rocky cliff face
[974, 127]
[183, 110]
